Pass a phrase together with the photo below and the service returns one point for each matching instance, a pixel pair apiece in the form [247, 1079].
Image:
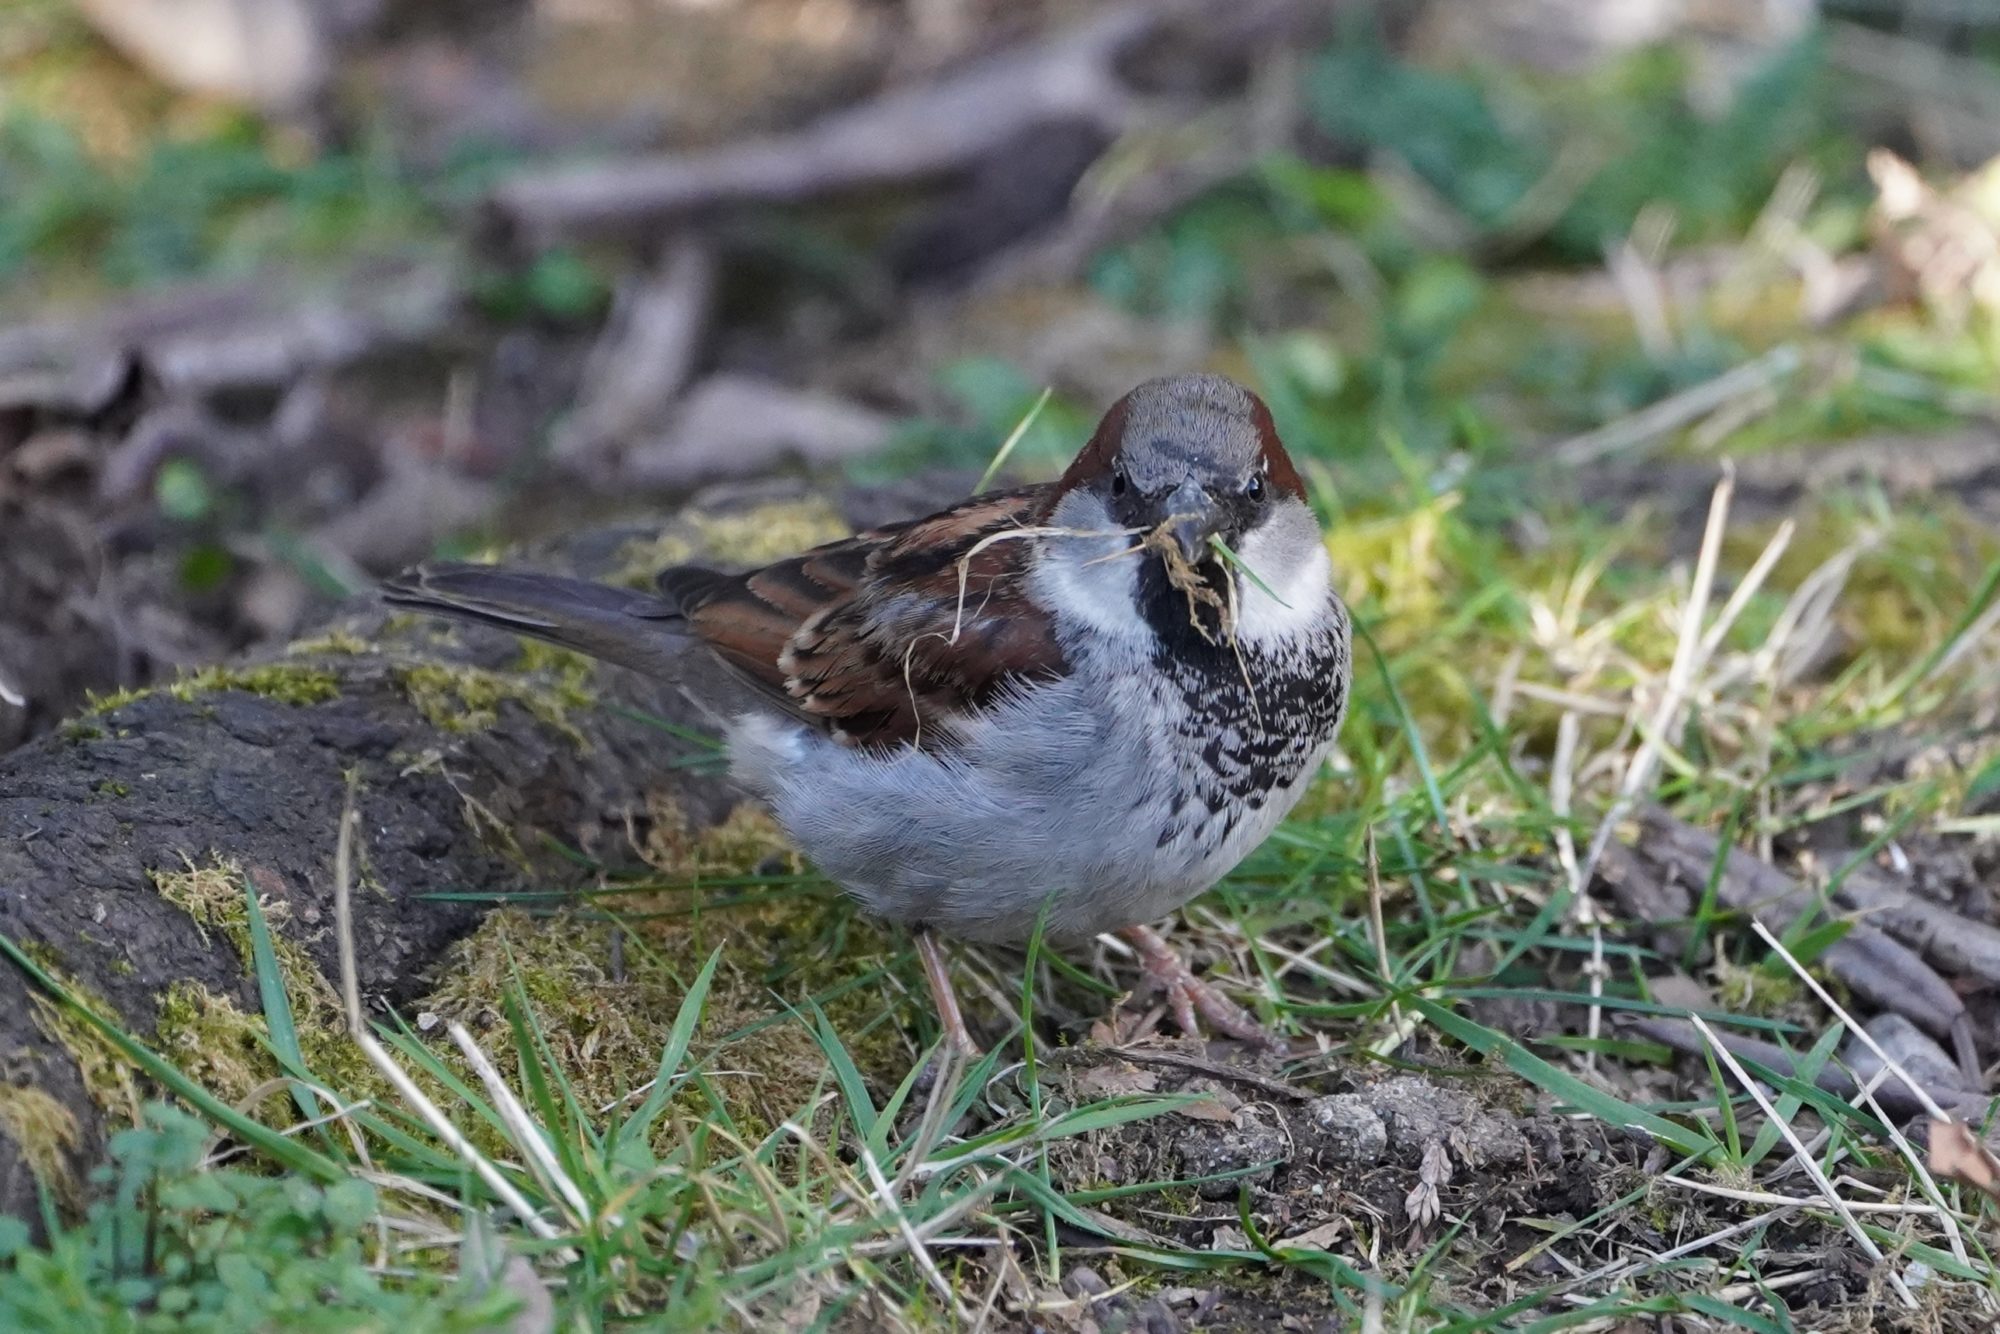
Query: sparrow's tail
[634, 630]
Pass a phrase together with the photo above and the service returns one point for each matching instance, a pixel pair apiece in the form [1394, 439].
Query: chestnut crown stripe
[1100, 455]
[1285, 479]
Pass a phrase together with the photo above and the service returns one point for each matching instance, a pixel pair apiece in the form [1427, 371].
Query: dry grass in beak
[1185, 576]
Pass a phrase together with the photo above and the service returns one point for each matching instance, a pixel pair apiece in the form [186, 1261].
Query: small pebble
[1350, 1130]
[1207, 1150]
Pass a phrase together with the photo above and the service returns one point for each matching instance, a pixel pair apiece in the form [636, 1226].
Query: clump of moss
[606, 1022]
[43, 1130]
[606, 1031]
[1768, 993]
[220, 1044]
[457, 698]
[755, 536]
[106, 1074]
[117, 699]
[783, 944]
[572, 671]
[213, 896]
[338, 641]
[747, 841]
[286, 682]
[213, 1041]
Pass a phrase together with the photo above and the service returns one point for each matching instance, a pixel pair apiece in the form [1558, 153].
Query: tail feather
[631, 629]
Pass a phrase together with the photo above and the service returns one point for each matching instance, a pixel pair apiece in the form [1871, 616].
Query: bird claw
[1189, 999]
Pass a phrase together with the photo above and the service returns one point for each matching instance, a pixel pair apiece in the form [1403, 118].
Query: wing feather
[873, 637]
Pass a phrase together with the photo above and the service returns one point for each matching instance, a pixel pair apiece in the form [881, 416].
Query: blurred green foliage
[218, 202]
[1374, 291]
[1487, 143]
[558, 284]
[174, 1243]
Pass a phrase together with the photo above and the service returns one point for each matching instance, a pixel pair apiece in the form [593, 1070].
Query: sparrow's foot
[945, 997]
[1188, 996]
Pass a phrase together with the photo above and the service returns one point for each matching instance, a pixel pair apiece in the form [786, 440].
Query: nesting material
[1186, 578]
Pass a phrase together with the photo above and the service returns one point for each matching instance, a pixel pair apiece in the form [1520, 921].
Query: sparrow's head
[1182, 461]
[1196, 453]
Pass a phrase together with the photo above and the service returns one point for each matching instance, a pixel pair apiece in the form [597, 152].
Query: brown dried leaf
[1958, 1154]
[1320, 1238]
[1423, 1205]
[1114, 1079]
[1207, 1109]
[1436, 1167]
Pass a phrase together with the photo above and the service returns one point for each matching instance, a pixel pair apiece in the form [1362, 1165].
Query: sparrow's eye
[1254, 488]
[1117, 481]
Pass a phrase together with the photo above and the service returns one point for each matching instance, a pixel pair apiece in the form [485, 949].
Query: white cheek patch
[1289, 556]
[1090, 581]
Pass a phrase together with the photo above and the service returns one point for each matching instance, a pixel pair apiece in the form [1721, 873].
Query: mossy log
[127, 835]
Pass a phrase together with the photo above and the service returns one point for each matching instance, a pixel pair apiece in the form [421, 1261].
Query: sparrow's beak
[1191, 519]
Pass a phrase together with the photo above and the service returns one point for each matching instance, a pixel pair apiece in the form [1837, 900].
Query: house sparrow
[1088, 699]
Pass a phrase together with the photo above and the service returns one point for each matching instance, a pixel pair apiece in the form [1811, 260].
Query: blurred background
[293, 292]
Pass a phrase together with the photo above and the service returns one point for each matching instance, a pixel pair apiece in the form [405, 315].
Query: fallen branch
[907, 133]
[1660, 875]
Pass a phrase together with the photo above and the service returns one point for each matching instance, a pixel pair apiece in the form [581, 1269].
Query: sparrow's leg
[1188, 995]
[943, 995]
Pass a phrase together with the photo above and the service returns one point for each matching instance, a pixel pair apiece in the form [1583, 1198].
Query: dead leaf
[1320, 1238]
[1207, 1109]
[1956, 1153]
[1114, 1079]
[1436, 1167]
[1229, 1237]
[1423, 1206]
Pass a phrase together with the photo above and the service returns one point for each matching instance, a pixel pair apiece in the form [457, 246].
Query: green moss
[780, 945]
[572, 671]
[107, 1076]
[214, 1042]
[335, 642]
[221, 1045]
[1770, 993]
[606, 1024]
[213, 896]
[44, 1131]
[461, 699]
[755, 536]
[111, 787]
[287, 682]
[117, 699]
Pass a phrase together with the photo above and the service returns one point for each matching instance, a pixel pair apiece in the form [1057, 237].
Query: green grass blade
[1691, 1140]
[640, 1127]
[853, 1088]
[278, 1021]
[283, 1150]
[1014, 438]
[1419, 754]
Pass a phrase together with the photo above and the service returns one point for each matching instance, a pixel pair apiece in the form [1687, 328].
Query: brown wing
[872, 637]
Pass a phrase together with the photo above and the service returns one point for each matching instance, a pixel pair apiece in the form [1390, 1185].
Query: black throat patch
[1255, 715]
